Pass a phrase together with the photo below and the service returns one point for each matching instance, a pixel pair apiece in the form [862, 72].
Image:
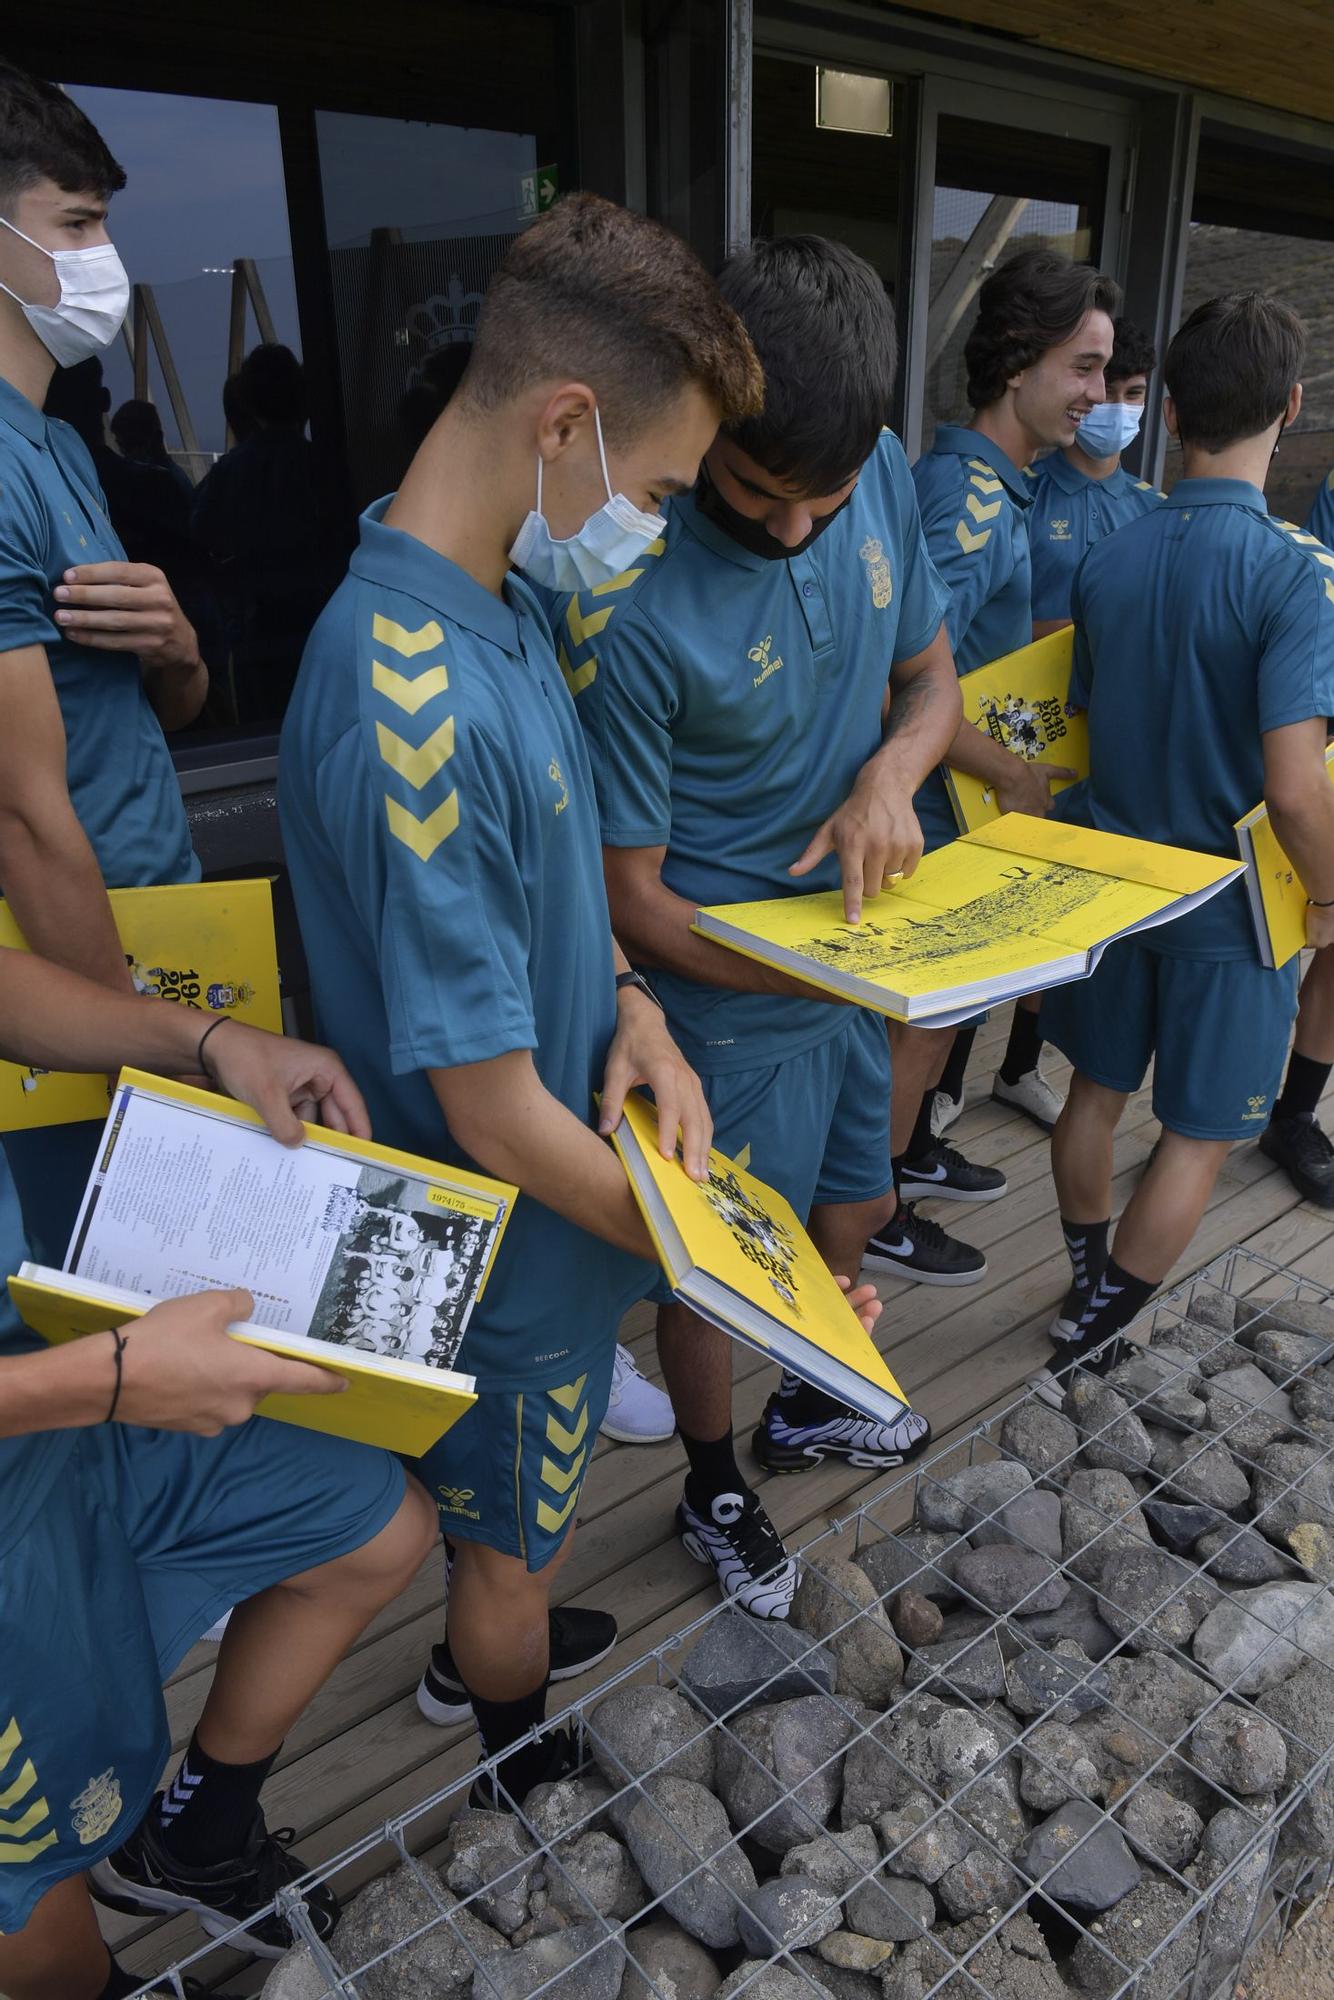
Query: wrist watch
[624, 979]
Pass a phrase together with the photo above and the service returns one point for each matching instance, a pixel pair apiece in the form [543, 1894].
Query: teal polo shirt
[1198, 628]
[729, 701]
[1069, 513]
[1320, 520]
[121, 780]
[974, 504]
[441, 831]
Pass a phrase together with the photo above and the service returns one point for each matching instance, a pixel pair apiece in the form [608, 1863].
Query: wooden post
[145, 304]
[254, 285]
[971, 266]
[139, 347]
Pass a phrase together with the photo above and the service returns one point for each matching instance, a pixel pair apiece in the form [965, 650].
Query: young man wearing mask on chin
[1083, 492]
[1035, 358]
[96, 656]
[761, 696]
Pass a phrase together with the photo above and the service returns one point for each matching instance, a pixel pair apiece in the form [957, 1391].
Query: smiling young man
[762, 693]
[440, 824]
[1083, 492]
[1036, 356]
[96, 657]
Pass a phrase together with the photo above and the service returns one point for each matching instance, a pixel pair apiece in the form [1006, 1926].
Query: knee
[390, 1560]
[506, 1580]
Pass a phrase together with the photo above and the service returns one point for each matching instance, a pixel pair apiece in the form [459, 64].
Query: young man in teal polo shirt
[1083, 492]
[441, 829]
[1203, 696]
[96, 657]
[761, 696]
[1035, 357]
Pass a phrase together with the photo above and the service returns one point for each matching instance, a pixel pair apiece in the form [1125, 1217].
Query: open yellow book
[198, 944]
[1014, 907]
[359, 1258]
[1274, 888]
[1022, 701]
[734, 1251]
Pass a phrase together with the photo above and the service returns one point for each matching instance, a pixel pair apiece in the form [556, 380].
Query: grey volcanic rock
[1159, 1695]
[1161, 1386]
[1153, 1599]
[1212, 1309]
[1239, 1555]
[891, 1761]
[1162, 1827]
[1080, 1858]
[595, 1876]
[1134, 1928]
[1062, 1684]
[1008, 1579]
[670, 1825]
[1205, 1473]
[992, 1807]
[1234, 1906]
[965, 1498]
[1245, 1406]
[295, 1976]
[1100, 1516]
[586, 1954]
[1237, 1642]
[892, 1908]
[973, 1668]
[837, 1861]
[1115, 1440]
[960, 1626]
[981, 1881]
[923, 1839]
[1295, 1483]
[489, 1857]
[1312, 1318]
[634, 1730]
[755, 1980]
[963, 1744]
[1078, 1619]
[786, 1911]
[912, 1560]
[917, 1621]
[1313, 1397]
[1033, 1521]
[789, 1747]
[1239, 1750]
[837, 1602]
[1041, 1437]
[1056, 1765]
[738, 1660]
[1303, 1708]
[1013, 1965]
[1178, 1528]
[437, 1965]
[668, 1957]
[565, 1805]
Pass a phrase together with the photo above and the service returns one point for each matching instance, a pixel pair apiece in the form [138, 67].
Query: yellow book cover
[1022, 701]
[1017, 906]
[358, 1256]
[197, 944]
[1276, 892]
[734, 1250]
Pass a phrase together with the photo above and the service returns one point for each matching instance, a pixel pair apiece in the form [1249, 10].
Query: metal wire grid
[1269, 1877]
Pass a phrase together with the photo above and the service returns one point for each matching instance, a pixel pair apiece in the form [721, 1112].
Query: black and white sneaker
[561, 1759]
[579, 1639]
[1305, 1153]
[857, 1440]
[744, 1550]
[1066, 1323]
[1052, 1382]
[944, 1174]
[142, 1875]
[912, 1247]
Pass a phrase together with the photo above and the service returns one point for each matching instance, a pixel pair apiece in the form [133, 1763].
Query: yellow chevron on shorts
[423, 836]
[406, 693]
[21, 1786]
[577, 678]
[419, 764]
[743, 1158]
[969, 542]
[561, 1482]
[567, 1441]
[581, 628]
[982, 510]
[387, 632]
[551, 1518]
[568, 1397]
[14, 1844]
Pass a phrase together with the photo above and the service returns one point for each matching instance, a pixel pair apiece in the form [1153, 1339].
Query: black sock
[208, 1809]
[802, 1403]
[1024, 1046]
[119, 1984]
[713, 1470]
[922, 1140]
[500, 1723]
[1115, 1299]
[1303, 1087]
[956, 1062]
[1086, 1245]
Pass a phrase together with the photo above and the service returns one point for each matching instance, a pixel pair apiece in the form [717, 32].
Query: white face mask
[94, 296]
[1109, 428]
[604, 547]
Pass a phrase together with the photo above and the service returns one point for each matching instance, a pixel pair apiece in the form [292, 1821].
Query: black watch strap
[624, 979]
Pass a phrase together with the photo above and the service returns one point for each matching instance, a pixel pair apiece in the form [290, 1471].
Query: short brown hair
[597, 292]
[1231, 368]
[1036, 300]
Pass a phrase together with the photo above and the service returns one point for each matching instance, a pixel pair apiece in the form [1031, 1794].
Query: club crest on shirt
[97, 1807]
[873, 555]
[556, 776]
[1060, 531]
[759, 657]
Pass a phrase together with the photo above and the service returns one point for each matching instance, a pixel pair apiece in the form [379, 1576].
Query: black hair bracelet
[211, 1029]
[122, 1341]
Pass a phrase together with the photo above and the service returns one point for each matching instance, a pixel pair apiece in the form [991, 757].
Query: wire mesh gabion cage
[1067, 1733]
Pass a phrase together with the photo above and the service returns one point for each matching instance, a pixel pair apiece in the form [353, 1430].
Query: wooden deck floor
[362, 1752]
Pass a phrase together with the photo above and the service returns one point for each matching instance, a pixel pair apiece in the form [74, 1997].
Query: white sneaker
[637, 1413]
[213, 1636]
[944, 1110]
[744, 1550]
[1032, 1095]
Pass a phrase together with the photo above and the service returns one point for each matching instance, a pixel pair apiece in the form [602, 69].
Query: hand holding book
[181, 1371]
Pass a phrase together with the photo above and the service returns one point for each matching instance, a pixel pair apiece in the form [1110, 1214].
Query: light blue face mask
[1109, 428]
[604, 547]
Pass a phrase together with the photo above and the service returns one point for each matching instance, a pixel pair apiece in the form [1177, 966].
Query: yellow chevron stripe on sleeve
[550, 1519]
[406, 693]
[11, 1851]
[558, 1481]
[577, 678]
[568, 1397]
[987, 485]
[387, 632]
[21, 1786]
[969, 542]
[982, 510]
[1329, 590]
[423, 836]
[567, 1441]
[615, 583]
[581, 628]
[419, 764]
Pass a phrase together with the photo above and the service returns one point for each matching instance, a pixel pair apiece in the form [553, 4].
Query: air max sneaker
[744, 1550]
[856, 1440]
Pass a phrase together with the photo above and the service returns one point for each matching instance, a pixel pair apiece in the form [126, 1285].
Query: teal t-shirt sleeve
[925, 594]
[974, 556]
[627, 707]
[1296, 668]
[1320, 520]
[25, 591]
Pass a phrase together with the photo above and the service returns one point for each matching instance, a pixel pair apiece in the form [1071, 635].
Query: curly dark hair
[1133, 353]
[1037, 299]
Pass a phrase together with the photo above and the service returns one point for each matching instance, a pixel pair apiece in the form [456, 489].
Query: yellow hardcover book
[1276, 892]
[1017, 906]
[1022, 701]
[198, 944]
[357, 1256]
[735, 1252]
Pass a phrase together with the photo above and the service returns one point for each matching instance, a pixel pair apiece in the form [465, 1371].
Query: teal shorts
[145, 1539]
[1216, 1030]
[509, 1473]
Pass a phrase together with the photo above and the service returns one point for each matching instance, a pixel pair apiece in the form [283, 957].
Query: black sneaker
[579, 1639]
[912, 1247]
[856, 1440]
[561, 1758]
[142, 1875]
[943, 1174]
[744, 1550]
[1052, 1382]
[1306, 1155]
